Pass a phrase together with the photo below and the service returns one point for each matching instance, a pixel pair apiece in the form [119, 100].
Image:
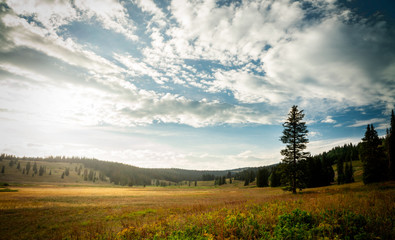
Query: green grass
[8, 190]
[357, 167]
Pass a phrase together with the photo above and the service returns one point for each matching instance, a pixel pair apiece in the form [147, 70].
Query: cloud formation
[124, 64]
[250, 52]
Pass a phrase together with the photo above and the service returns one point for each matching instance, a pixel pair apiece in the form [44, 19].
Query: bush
[296, 225]
[343, 224]
[4, 184]
[331, 224]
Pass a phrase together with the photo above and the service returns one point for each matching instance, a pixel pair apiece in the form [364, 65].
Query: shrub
[342, 224]
[296, 225]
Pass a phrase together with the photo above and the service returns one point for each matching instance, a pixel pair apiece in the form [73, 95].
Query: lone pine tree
[295, 138]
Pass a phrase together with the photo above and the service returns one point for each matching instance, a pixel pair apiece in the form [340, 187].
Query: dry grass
[53, 212]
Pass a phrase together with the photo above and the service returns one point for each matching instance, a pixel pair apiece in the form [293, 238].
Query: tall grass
[352, 211]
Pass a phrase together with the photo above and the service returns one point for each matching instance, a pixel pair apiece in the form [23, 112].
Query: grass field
[351, 211]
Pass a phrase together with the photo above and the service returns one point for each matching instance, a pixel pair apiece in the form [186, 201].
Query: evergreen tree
[328, 173]
[251, 177]
[35, 168]
[340, 171]
[23, 171]
[391, 148]
[62, 175]
[349, 172]
[246, 182]
[41, 171]
[374, 166]
[90, 175]
[67, 172]
[3, 169]
[262, 177]
[28, 168]
[346, 173]
[195, 183]
[295, 138]
[275, 177]
[18, 166]
[86, 175]
[208, 177]
[130, 182]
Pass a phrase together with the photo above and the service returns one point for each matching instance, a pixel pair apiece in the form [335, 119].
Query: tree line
[299, 169]
[119, 173]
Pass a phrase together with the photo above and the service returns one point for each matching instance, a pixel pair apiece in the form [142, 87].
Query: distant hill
[87, 170]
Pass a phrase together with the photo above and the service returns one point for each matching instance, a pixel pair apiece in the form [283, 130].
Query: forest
[119, 173]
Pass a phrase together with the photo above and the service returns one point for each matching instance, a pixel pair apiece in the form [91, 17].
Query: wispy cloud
[360, 123]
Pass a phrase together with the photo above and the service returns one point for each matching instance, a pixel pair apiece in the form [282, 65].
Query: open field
[70, 212]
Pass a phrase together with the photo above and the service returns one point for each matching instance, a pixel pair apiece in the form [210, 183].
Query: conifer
[295, 138]
[374, 167]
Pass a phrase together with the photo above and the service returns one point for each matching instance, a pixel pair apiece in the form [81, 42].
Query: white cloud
[383, 126]
[360, 123]
[308, 59]
[150, 7]
[246, 87]
[314, 134]
[230, 34]
[21, 33]
[320, 146]
[51, 14]
[110, 13]
[136, 67]
[170, 108]
[328, 119]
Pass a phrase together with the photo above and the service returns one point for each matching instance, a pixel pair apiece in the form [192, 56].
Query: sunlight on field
[99, 196]
[177, 213]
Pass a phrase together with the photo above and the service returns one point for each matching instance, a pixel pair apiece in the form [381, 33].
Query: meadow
[351, 211]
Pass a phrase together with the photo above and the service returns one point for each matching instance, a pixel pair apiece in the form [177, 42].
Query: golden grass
[54, 212]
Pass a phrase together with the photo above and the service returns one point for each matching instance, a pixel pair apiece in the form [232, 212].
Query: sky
[191, 84]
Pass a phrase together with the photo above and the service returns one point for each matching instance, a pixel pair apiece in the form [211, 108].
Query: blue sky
[191, 84]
